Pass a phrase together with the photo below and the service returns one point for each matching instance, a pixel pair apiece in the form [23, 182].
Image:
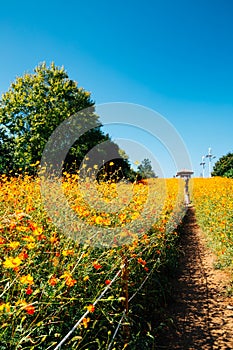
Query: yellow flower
[22, 228]
[36, 163]
[135, 216]
[66, 274]
[67, 252]
[86, 278]
[14, 244]
[90, 308]
[27, 279]
[54, 238]
[86, 321]
[98, 220]
[5, 307]
[31, 245]
[28, 239]
[21, 303]
[38, 231]
[111, 163]
[55, 261]
[11, 263]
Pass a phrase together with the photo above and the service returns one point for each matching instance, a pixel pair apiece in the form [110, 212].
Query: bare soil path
[201, 314]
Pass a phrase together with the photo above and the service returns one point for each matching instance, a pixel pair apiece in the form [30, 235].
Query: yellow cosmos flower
[90, 308]
[11, 263]
[31, 245]
[135, 216]
[14, 244]
[21, 303]
[5, 307]
[67, 252]
[22, 228]
[38, 231]
[28, 239]
[98, 220]
[27, 279]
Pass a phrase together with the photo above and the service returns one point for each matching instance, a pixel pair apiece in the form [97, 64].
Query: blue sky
[174, 57]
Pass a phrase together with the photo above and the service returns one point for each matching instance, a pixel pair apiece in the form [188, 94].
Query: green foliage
[145, 169]
[224, 166]
[34, 106]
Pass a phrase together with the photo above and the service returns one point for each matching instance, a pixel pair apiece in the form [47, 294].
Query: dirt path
[201, 313]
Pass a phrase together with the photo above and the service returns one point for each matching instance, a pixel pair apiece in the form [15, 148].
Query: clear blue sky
[175, 57]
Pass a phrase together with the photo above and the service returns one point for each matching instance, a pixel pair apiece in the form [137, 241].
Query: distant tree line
[224, 166]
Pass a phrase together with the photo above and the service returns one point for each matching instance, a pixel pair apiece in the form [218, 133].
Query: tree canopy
[145, 169]
[34, 106]
[224, 166]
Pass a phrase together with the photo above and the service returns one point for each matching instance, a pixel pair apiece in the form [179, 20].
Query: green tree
[224, 166]
[34, 106]
[145, 169]
[31, 110]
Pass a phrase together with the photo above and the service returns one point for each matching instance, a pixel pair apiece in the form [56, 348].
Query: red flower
[30, 309]
[97, 266]
[107, 282]
[29, 290]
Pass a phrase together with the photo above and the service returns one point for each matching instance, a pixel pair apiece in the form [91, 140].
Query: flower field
[213, 200]
[52, 281]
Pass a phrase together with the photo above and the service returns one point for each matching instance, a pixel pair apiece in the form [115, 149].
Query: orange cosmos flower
[53, 281]
[68, 279]
[85, 322]
[30, 309]
[32, 225]
[91, 308]
[141, 261]
[70, 282]
[2, 240]
[23, 255]
[54, 239]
